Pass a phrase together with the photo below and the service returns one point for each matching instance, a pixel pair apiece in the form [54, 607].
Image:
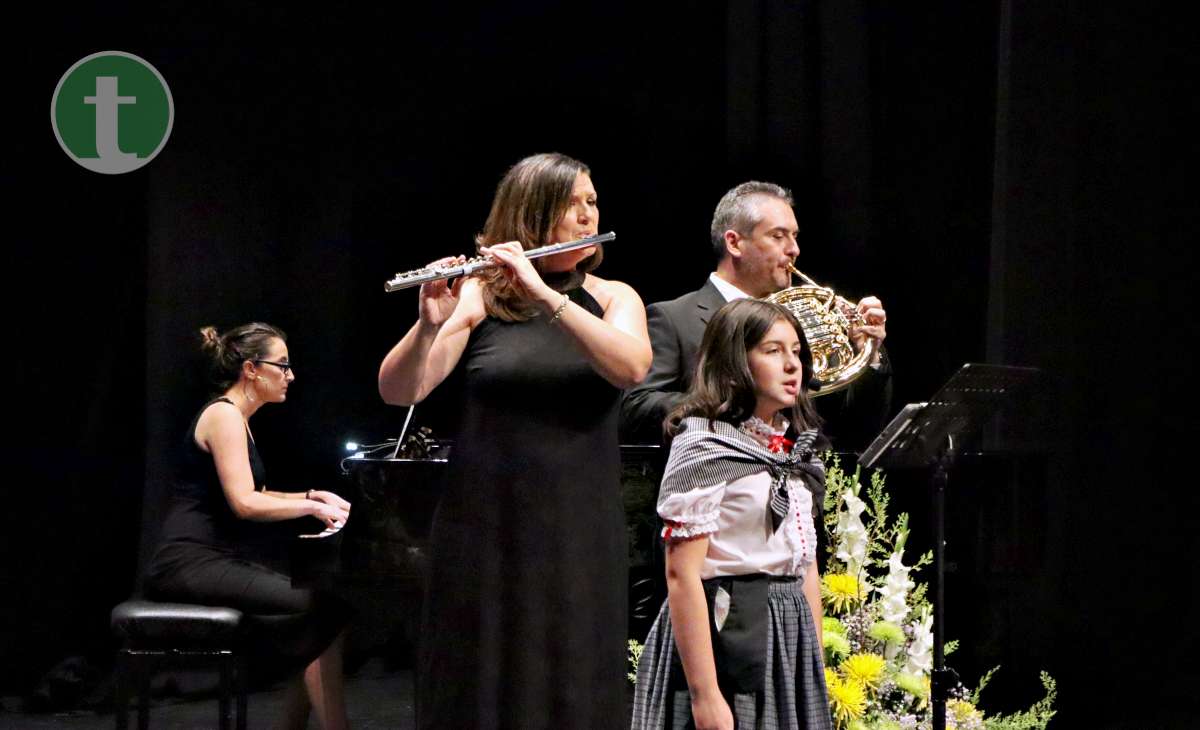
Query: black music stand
[929, 435]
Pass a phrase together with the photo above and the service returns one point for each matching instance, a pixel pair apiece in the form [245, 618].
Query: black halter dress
[525, 622]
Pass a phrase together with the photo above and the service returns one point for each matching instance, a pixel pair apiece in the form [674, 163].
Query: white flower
[852, 534]
[893, 596]
[920, 649]
[893, 601]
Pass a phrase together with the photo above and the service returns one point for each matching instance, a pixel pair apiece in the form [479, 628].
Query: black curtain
[1005, 176]
[73, 297]
[1088, 281]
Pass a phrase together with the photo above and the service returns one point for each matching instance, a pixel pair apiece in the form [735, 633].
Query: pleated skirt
[794, 695]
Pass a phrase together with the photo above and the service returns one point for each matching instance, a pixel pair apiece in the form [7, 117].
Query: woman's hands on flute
[432, 346]
[520, 273]
[615, 343]
[438, 299]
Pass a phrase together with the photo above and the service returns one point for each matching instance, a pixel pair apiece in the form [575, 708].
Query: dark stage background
[1008, 177]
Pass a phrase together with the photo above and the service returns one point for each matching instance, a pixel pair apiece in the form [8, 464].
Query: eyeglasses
[284, 366]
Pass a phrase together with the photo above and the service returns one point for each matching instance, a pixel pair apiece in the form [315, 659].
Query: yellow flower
[866, 669]
[841, 591]
[831, 677]
[848, 700]
[963, 714]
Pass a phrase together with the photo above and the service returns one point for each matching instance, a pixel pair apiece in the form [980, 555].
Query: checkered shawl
[706, 452]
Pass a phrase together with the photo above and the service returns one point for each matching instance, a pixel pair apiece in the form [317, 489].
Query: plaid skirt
[794, 695]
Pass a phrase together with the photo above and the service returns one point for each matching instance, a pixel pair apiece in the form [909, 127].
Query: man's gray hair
[737, 211]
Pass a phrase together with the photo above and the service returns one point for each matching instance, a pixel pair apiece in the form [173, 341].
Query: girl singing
[738, 642]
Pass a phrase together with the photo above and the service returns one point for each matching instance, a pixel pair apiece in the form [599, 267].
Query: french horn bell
[827, 327]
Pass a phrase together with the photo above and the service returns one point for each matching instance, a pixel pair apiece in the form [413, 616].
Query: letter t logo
[112, 112]
[106, 102]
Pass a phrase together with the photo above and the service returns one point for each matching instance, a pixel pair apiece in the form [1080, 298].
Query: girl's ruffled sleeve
[691, 513]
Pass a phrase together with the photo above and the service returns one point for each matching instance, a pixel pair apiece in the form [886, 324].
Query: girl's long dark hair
[723, 387]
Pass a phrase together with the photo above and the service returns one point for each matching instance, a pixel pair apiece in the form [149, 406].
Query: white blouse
[741, 539]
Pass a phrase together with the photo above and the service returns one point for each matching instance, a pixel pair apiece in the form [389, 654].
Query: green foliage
[635, 656]
[983, 682]
[917, 596]
[836, 483]
[1035, 718]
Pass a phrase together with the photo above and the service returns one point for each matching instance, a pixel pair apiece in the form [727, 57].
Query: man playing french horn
[754, 236]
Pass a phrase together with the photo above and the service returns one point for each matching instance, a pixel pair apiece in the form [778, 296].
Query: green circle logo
[112, 112]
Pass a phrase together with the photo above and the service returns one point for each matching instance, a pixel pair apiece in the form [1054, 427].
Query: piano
[379, 561]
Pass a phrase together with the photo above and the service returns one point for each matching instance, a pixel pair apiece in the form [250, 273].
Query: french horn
[827, 327]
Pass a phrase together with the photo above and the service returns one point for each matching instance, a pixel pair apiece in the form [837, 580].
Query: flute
[416, 277]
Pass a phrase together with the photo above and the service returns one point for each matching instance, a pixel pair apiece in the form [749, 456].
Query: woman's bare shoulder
[219, 418]
[221, 412]
[607, 291]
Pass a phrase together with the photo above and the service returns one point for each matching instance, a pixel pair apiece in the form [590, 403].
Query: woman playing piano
[226, 535]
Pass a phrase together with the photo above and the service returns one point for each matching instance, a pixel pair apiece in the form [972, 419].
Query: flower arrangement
[878, 626]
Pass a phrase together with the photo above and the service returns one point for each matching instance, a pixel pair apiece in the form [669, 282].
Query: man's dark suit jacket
[852, 417]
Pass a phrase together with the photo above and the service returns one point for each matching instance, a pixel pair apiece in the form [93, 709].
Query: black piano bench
[155, 634]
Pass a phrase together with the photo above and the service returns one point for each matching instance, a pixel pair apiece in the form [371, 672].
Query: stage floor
[376, 699]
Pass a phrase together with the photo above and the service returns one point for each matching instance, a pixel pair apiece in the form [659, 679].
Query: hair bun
[226, 351]
[210, 340]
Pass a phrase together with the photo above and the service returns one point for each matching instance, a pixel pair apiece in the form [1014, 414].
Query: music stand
[403, 431]
[925, 435]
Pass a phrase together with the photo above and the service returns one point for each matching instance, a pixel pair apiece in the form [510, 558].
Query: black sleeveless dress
[525, 614]
[208, 556]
